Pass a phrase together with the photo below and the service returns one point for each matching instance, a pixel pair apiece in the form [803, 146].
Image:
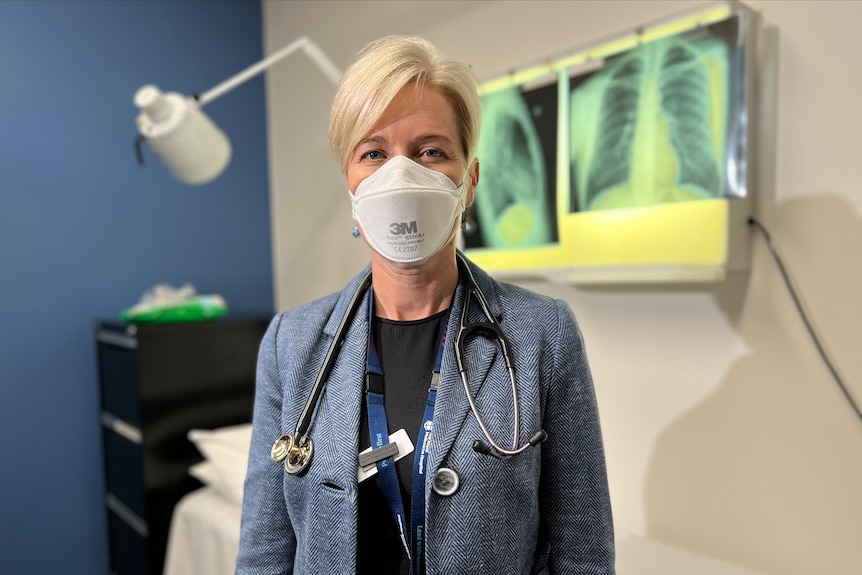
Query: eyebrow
[376, 139]
[433, 137]
[371, 140]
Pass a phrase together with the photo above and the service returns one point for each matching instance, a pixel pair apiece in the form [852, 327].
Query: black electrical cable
[753, 222]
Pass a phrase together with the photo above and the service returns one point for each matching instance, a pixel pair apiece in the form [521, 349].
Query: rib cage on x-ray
[619, 111]
[683, 91]
[685, 102]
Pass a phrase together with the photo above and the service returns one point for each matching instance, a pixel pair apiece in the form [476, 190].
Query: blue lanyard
[378, 429]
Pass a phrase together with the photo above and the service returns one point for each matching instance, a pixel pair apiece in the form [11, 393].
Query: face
[420, 125]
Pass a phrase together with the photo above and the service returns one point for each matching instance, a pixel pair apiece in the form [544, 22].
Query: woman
[405, 124]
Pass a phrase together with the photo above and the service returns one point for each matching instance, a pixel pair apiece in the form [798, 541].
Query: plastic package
[166, 304]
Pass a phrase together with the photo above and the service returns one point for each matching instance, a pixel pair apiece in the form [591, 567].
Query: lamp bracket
[311, 50]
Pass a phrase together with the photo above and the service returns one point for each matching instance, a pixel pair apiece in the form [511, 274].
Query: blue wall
[84, 231]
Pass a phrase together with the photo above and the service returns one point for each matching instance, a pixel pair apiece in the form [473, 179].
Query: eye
[432, 153]
[372, 155]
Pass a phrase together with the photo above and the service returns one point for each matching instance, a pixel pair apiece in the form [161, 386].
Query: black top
[407, 351]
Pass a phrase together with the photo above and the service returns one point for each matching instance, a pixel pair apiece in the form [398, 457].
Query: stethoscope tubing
[304, 421]
[493, 329]
[300, 447]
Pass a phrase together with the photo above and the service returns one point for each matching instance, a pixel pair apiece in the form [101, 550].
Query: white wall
[724, 432]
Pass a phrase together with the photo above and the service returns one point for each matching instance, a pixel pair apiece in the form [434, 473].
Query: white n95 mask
[407, 211]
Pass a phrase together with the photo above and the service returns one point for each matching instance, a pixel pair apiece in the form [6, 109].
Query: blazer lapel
[481, 353]
[339, 427]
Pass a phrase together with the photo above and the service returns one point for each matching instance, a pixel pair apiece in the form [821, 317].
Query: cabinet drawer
[119, 389]
[128, 548]
[124, 475]
[156, 383]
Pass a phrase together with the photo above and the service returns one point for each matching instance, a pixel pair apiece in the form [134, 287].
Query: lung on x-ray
[652, 125]
[517, 154]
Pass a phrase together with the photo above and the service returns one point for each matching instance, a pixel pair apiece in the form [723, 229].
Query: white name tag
[405, 447]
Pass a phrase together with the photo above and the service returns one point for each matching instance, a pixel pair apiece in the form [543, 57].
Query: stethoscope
[296, 449]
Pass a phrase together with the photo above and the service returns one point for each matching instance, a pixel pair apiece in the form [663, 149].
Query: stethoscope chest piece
[445, 482]
[281, 447]
[295, 454]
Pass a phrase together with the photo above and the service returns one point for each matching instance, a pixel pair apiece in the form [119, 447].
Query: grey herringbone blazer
[544, 511]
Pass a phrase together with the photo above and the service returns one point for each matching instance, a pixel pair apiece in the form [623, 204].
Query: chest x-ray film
[627, 162]
[518, 164]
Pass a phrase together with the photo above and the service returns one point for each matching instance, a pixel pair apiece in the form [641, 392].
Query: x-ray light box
[625, 162]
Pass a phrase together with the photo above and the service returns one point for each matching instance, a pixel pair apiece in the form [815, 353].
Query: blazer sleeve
[267, 540]
[576, 506]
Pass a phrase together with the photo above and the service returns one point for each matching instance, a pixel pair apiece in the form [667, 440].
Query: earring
[466, 224]
[355, 231]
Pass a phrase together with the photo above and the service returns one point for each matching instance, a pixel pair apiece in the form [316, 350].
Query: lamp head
[193, 148]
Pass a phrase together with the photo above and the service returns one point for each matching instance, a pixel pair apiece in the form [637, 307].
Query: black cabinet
[156, 383]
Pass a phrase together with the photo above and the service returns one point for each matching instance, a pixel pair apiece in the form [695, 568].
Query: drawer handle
[128, 516]
[121, 427]
[117, 339]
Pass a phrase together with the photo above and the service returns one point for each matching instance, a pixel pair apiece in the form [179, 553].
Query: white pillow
[226, 458]
[205, 472]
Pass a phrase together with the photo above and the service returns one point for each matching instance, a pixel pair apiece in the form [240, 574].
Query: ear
[473, 174]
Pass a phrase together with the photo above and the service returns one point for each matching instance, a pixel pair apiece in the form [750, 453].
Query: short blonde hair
[382, 69]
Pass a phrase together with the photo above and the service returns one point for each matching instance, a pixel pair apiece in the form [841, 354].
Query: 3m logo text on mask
[403, 228]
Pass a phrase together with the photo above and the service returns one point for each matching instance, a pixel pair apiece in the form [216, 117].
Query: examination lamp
[191, 145]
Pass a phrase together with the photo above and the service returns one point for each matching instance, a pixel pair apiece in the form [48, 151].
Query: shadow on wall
[767, 468]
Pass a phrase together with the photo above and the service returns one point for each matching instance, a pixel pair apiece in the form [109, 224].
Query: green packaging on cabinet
[164, 304]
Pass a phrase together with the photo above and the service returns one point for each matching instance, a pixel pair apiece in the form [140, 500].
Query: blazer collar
[483, 281]
[343, 303]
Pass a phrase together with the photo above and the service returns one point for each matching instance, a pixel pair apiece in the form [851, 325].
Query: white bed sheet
[204, 540]
[204, 535]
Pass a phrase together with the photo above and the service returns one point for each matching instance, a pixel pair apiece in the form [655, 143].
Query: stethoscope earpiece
[480, 446]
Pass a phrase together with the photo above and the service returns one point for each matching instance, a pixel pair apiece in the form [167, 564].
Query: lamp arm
[311, 50]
